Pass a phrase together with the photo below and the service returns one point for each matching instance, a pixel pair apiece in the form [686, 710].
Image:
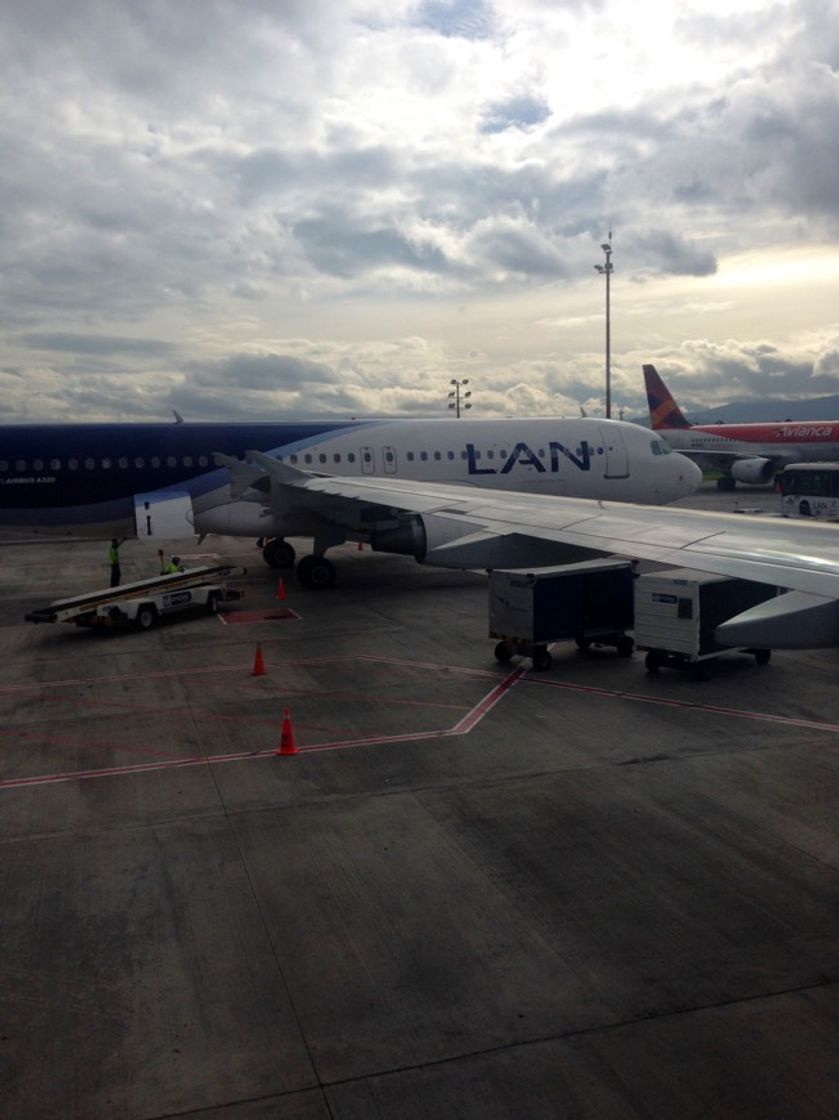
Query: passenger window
[450, 455]
[424, 456]
[293, 458]
[73, 464]
[203, 461]
[389, 456]
[410, 456]
[437, 456]
[463, 454]
[20, 465]
[4, 465]
[107, 464]
[38, 465]
[368, 458]
[139, 461]
[123, 464]
[155, 462]
[55, 465]
[307, 458]
[171, 461]
[336, 458]
[490, 454]
[187, 460]
[321, 458]
[351, 457]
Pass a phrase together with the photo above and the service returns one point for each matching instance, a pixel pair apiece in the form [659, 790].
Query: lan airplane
[178, 480]
[459, 527]
[751, 453]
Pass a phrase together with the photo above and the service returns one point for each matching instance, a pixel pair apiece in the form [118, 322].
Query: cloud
[197, 200]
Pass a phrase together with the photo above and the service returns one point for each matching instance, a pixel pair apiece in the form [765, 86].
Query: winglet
[664, 412]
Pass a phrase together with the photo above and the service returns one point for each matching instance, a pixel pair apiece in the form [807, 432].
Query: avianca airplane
[181, 479]
[751, 453]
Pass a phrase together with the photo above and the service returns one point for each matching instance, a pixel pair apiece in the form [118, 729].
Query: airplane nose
[688, 475]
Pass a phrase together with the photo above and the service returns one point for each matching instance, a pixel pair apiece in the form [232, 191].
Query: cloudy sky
[264, 208]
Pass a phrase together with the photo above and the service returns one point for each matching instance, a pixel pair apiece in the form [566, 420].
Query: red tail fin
[664, 412]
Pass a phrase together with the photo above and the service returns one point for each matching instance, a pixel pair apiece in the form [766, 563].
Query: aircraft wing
[723, 460]
[783, 553]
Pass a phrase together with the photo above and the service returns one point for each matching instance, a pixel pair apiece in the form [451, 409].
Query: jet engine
[448, 543]
[753, 471]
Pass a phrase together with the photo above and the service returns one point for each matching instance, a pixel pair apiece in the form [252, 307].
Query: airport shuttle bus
[811, 490]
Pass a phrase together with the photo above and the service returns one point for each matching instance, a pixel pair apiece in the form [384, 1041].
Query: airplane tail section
[664, 412]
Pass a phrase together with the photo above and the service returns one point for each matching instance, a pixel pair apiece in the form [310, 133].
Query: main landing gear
[315, 572]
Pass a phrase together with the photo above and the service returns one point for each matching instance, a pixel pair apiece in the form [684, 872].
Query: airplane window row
[89, 463]
[411, 456]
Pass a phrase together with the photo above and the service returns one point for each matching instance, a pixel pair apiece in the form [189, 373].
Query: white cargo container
[677, 612]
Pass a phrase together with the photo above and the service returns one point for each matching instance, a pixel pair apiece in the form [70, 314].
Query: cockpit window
[660, 447]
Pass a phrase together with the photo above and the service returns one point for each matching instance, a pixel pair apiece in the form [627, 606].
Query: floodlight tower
[606, 270]
[454, 396]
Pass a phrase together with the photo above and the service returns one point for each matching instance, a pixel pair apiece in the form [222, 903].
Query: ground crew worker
[113, 560]
[174, 566]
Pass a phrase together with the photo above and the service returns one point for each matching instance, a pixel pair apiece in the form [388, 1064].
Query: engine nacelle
[753, 471]
[234, 519]
[418, 535]
[448, 543]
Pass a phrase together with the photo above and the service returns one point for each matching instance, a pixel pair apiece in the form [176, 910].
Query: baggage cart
[590, 603]
[677, 612]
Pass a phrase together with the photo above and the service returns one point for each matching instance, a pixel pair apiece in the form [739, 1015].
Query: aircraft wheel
[503, 652]
[316, 572]
[542, 660]
[625, 647]
[762, 656]
[278, 553]
[652, 661]
[146, 618]
[804, 509]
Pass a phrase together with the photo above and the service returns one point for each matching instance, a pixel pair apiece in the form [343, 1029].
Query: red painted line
[667, 702]
[463, 727]
[209, 670]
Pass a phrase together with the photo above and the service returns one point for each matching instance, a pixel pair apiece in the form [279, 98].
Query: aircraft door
[164, 513]
[389, 460]
[368, 460]
[617, 459]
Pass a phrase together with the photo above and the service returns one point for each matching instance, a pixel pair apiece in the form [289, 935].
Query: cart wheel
[503, 652]
[652, 662]
[762, 656]
[146, 618]
[212, 603]
[625, 647]
[542, 660]
[583, 644]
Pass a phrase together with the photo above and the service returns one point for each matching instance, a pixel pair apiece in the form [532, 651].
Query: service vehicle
[143, 603]
[677, 612]
[810, 490]
[589, 603]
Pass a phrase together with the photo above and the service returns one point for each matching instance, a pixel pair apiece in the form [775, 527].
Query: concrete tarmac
[476, 891]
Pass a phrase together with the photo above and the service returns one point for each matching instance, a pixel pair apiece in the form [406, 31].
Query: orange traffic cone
[287, 743]
[281, 588]
[258, 663]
